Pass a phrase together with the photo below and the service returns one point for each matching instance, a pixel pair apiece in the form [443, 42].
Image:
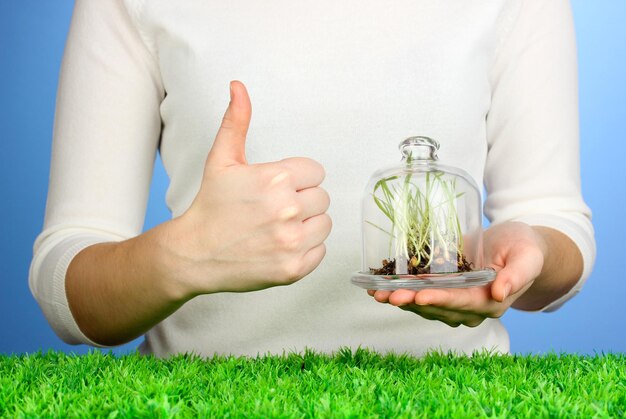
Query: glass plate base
[420, 282]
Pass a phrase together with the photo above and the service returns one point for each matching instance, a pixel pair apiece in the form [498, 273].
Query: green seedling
[425, 227]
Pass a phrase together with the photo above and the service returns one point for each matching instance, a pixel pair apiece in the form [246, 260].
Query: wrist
[542, 236]
[163, 264]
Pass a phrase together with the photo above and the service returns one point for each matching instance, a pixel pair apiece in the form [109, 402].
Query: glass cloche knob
[421, 224]
[419, 148]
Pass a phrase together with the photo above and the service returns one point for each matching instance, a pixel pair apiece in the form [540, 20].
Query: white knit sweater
[340, 81]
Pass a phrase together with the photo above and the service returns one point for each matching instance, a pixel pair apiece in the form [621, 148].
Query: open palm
[513, 249]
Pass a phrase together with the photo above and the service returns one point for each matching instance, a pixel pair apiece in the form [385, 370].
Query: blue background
[32, 36]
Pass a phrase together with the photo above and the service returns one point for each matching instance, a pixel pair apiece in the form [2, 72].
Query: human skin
[275, 214]
[250, 227]
[534, 265]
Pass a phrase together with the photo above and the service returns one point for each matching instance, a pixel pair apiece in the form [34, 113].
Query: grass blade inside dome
[424, 224]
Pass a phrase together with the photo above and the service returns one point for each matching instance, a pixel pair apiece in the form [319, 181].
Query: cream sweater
[340, 81]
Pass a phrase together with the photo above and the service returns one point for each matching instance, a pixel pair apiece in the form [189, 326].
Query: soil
[389, 266]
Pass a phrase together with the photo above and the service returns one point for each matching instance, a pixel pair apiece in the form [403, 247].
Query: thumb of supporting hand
[520, 270]
[229, 147]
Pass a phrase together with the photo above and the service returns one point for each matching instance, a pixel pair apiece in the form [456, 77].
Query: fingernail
[507, 290]
[422, 301]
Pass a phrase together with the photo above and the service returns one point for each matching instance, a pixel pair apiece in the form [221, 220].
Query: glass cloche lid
[421, 225]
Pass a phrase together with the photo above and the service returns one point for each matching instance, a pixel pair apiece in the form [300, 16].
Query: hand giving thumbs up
[251, 226]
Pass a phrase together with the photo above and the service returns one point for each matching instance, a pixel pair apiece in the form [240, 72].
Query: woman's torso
[341, 82]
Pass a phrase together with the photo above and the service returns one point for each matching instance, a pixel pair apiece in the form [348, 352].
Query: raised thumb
[229, 147]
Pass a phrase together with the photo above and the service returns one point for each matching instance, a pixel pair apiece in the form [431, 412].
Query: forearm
[118, 291]
[274, 214]
[562, 268]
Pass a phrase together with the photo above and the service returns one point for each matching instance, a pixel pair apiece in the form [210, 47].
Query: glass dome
[421, 224]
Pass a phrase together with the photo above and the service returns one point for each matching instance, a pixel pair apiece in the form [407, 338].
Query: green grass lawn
[355, 384]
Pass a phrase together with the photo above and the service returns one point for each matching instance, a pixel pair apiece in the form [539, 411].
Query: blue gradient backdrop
[32, 35]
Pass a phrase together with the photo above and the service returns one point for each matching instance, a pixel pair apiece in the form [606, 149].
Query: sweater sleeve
[106, 133]
[532, 172]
